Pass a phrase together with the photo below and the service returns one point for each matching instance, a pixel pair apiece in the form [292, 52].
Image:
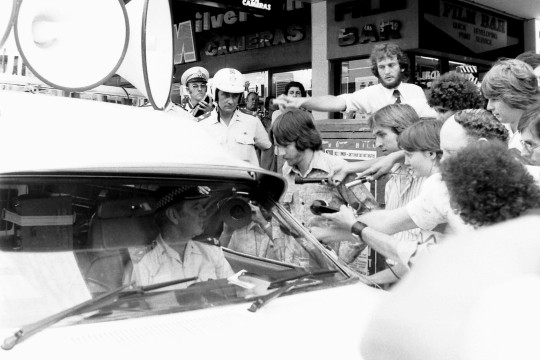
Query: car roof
[59, 134]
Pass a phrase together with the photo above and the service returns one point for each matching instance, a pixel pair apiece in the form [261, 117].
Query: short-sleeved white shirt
[240, 137]
[372, 98]
[163, 263]
[432, 207]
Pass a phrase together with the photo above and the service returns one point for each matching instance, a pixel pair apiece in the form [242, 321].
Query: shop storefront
[270, 49]
[438, 36]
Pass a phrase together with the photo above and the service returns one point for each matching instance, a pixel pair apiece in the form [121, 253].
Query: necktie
[397, 95]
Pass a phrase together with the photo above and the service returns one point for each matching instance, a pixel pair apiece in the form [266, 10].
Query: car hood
[320, 324]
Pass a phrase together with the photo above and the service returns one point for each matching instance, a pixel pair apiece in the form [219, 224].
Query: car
[80, 183]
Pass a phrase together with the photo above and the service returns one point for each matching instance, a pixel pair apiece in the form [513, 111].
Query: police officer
[199, 103]
[236, 131]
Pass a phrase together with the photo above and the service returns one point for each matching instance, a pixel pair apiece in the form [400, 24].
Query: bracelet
[357, 229]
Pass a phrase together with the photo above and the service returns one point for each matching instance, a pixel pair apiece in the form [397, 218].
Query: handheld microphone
[300, 180]
[319, 207]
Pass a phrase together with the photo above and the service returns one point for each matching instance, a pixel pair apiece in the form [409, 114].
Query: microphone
[300, 180]
[319, 207]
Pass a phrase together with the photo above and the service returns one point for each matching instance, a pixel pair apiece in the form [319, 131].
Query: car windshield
[65, 239]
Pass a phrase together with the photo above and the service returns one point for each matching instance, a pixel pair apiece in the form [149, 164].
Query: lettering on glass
[184, 43]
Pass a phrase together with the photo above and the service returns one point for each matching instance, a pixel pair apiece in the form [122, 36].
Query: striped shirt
[401, 188]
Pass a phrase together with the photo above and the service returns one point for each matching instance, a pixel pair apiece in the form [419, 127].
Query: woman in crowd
[294, 89]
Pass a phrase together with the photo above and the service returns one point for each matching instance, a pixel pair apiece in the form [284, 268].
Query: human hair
[480, 123]
[160, 216]
[252, 92]
[488, 185]
[513, 82]
[531, 120]
[396, 117]
[389, 50]
[423, 135]
[267, 101]
[295, 84]
[530, 57]
[296, 126]
[454, 91]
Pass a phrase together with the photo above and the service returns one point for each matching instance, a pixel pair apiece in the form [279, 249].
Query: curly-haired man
[391, 67]
[488, 185]
[453, 91]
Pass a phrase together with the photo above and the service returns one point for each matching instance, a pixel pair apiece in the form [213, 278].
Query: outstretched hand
[286, 103]
[343, 219]
[380, 168]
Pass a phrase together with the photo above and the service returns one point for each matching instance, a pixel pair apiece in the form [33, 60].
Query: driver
[174, 253]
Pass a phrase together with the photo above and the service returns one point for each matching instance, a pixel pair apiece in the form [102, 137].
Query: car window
[68, 238]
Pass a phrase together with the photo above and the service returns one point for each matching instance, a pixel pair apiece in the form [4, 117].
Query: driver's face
[191, 217]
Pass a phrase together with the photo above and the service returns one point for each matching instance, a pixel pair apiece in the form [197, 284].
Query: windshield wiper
[292, 280]
[109, 297]
[296, 275]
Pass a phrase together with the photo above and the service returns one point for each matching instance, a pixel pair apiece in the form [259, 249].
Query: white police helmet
[227, 80]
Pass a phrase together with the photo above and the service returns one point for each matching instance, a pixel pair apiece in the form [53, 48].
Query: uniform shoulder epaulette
[209, 241]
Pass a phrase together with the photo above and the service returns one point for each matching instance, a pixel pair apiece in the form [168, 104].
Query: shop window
[281, 79]
[426, 70]
[356, 75]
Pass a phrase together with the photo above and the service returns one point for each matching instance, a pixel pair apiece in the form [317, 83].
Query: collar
[390, 92]
[165, 249]
[318, 162]
[235, 117]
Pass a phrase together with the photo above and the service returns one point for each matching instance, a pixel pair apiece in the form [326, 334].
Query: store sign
[479, 31]
[370, 33]
[360, 8]
[184, 43]
[223, 45]
[257, 4]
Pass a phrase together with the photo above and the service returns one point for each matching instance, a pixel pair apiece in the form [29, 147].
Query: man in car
[236, 131]
[175, 254]
[198, 104]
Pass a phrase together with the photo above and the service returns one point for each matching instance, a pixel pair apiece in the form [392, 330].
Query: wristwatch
[357, 229]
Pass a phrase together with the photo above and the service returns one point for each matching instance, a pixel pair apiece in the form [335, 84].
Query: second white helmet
[228, 80]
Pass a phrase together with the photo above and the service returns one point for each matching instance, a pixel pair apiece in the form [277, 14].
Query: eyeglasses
[527, 146]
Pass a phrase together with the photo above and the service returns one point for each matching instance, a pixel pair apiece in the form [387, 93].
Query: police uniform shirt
[240, 137]
[163, 263]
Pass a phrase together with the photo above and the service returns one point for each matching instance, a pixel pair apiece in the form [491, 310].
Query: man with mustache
[391, 66]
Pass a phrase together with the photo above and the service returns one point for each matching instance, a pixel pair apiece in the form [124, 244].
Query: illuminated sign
[223, 45]
[257, 4]
[370, 33]
[184, 43]
[477, 30]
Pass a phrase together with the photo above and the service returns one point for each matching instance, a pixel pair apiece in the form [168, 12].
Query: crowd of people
[461, 158]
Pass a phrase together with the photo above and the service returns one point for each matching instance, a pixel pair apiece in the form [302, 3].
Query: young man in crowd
[297, 139]
[453, 91]
[195, 81]
[449, 93]
[529, 128]
[236, 131]
[533, 59]
[432, 207]
[391, 66]
[511, 88]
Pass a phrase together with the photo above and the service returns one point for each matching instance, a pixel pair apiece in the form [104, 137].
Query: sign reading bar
[477, 30]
